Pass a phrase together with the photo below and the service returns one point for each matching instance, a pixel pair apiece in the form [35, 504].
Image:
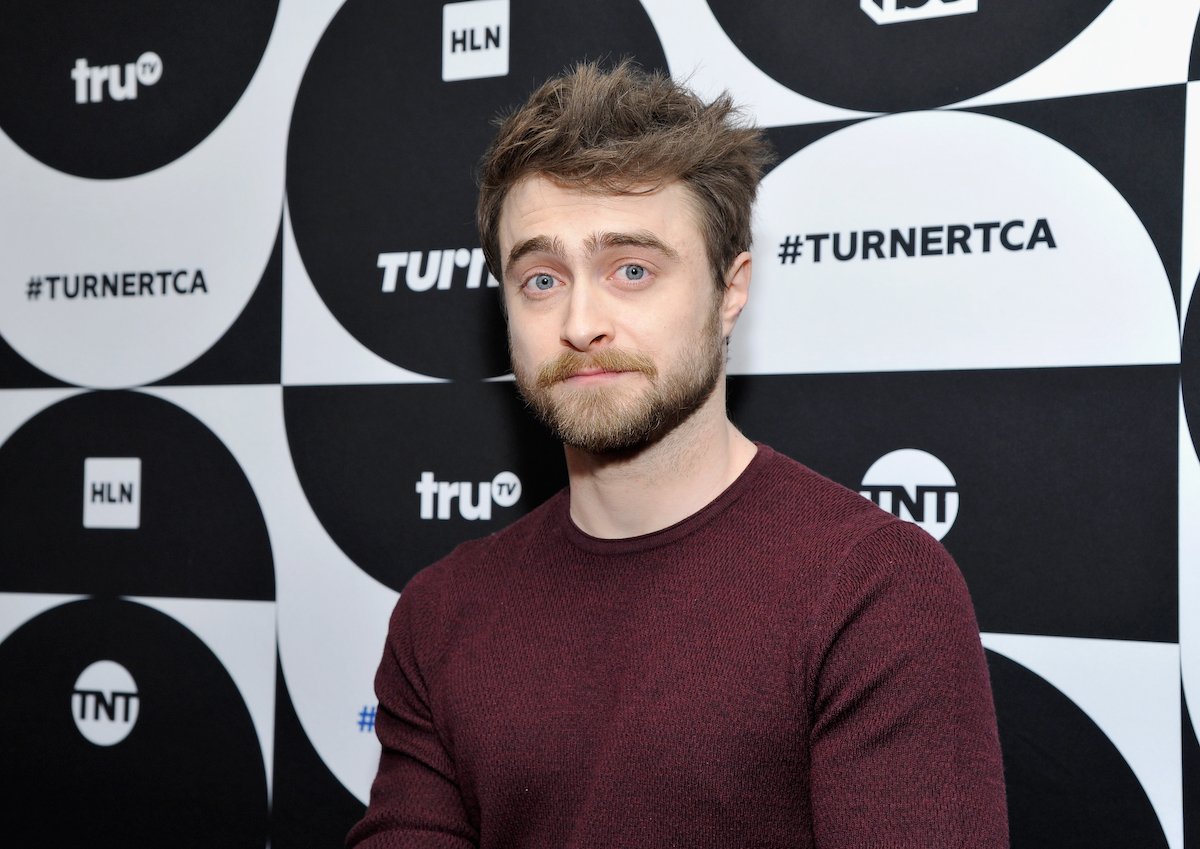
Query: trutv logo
[475, 40]
[914, 486]
[899, 11]
[90, 80]
[474, 500]
[425, 270]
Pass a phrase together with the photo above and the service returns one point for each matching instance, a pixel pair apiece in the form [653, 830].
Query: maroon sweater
[790, 666]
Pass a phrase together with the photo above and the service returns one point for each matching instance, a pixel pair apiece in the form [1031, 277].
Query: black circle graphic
[190, 773]
[117, 89]
[1189, 365]
[201, 532]
[834, 52]
[1068, 786]
[381, 160]
[371, 459]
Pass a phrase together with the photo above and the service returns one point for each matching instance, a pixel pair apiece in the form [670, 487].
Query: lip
[591, 375]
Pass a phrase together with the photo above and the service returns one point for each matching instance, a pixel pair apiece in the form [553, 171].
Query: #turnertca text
[936, 240]
[119, 284]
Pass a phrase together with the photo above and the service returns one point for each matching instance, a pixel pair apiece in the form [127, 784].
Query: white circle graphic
[116, 283]
[506, 489]
[916, 487]
[149, 68]
[105, 703]
[945, 240]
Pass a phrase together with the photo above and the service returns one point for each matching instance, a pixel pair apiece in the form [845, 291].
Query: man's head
[623, 130]
[615, 210]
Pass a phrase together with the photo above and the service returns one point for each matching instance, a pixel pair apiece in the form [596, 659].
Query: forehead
[539, 206]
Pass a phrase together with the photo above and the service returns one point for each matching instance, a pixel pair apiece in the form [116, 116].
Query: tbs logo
[90, 79]
[899, 11]
[916, 487]
[474, 500]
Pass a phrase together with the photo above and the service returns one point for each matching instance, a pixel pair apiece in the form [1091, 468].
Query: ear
[737, 292]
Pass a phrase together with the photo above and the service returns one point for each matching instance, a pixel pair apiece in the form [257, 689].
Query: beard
[617, 419]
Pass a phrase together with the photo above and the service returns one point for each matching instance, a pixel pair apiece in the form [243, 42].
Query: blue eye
[542, 282]
[634, 272]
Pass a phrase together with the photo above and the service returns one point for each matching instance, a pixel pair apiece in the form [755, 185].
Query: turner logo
[916, 487]
[474, 40]
[91, 80]
[112, 492]
[474, 500]
[899, 11]
[105, 703]
[935, 240]
[434, 270]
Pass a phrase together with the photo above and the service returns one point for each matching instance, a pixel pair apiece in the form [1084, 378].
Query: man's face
[614, 323]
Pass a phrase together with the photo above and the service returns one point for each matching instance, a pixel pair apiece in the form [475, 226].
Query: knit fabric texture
[790, 666]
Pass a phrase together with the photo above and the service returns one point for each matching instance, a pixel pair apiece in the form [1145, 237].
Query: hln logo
[105, 703]
[475, 40]
[915, 486]
[899, 11]
[90, 79]
[504, 490]
[112, 489]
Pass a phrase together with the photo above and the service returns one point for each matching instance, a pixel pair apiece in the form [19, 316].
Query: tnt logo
[899, 11]
[474, 40]
[474, 501]
[916, 487]
[112, 492]
[90, 79]
[105, 703]
[436, 270]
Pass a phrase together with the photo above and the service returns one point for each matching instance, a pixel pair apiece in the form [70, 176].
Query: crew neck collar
[671, 533]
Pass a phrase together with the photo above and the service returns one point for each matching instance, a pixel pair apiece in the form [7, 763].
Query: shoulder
[446, 595]
[798, 506]
[852, 546]
[474, 560]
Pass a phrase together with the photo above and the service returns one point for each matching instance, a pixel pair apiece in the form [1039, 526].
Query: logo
[421, 275]
[105, 703]
[937, 240]
[474, 40]
[90, 79]
[119, 284]
[389, 246]
[899, 11]
[914, 486]
[818, 49]
[474, 502]
[112, 489]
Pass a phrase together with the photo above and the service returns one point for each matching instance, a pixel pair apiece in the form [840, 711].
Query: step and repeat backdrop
[252, 373]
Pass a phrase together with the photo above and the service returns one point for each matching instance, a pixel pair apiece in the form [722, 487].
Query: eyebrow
[594, 244]
[538, 244]
[639, 239]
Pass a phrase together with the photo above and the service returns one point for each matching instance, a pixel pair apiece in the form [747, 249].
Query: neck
[617, 496]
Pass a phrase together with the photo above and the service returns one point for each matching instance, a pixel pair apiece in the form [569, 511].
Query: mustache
[569, 363]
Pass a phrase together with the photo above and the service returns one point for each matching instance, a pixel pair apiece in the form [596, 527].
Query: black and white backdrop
[252, 375]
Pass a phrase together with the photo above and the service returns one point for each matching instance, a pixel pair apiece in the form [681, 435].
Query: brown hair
[618, 131]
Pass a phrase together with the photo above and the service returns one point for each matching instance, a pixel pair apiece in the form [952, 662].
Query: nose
[587, 323]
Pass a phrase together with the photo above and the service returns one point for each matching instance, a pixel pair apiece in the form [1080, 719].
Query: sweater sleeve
[904, 748]
[415, 800]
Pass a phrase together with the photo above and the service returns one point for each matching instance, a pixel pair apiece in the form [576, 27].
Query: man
[700, 642]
